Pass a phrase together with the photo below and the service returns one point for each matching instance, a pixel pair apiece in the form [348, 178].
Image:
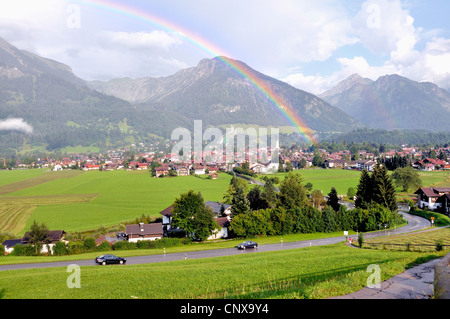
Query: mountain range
[65, 110]
[392, 102]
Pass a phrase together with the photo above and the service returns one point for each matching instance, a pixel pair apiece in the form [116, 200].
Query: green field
[306, 273]
[324, 179]
[82, 201]
[89, 200]
[423, 241]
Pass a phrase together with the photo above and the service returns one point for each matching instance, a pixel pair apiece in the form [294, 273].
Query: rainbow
[146, 17]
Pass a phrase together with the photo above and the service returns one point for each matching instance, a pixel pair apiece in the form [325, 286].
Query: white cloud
[386, 29]
[270, 36]
[142, 40]
[16, 124]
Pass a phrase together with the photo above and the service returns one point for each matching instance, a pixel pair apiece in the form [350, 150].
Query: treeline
[395, 137]
[263, 211]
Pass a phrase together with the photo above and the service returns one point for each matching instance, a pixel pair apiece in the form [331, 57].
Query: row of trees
[263, 211]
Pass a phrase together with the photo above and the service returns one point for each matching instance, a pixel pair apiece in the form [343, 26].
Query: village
[161, 164]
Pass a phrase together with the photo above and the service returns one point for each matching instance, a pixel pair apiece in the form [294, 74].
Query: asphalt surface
[414, 283]
[414, 223]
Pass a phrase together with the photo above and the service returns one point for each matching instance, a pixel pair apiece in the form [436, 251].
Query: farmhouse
[54, 236]
[181, 170]
[91, 167]
[224, 222]
[427, 197]
[365, 165]
[199, 170]
[336, 163]
[219, 209]
[166, 219]
[141, 231]
[161, 171]
[9, 245]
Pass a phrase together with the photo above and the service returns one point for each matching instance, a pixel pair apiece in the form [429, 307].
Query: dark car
[110, 259]
[247, 244]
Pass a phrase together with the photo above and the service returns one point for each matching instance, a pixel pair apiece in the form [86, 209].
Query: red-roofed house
[427, 197]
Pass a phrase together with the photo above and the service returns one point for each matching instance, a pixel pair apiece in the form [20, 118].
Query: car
[247, 244]
[110, 259]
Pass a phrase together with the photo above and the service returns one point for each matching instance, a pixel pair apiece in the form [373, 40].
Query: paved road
[414, 283]
[414, 223]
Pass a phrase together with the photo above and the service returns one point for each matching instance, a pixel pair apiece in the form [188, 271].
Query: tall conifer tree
[383, 189]
[364, 192]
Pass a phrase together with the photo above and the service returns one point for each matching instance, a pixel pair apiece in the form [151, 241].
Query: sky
[311, 45]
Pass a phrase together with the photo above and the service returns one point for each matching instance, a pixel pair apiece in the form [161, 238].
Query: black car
[247, 244]
[110, 259]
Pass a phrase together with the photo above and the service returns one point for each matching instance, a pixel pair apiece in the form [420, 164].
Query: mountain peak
[354, 80]
[18, 63]
[392, 102]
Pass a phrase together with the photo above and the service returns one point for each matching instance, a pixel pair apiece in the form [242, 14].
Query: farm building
[432, 198]
[141, 231]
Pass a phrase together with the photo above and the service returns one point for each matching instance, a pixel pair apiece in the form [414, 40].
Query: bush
[23, 250]
[89, 244]
[104, 246]
[60, 249]
[123, 245]
[439, 244]
[75, 248]
[360, 239]
[2, 250]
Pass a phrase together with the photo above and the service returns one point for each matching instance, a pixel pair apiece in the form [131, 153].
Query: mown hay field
[80, 201]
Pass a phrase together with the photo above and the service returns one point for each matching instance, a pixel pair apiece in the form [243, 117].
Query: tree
[351, 193]
[333, 199]
[318, 160]
[383, 189]
[240, 203]
[317, 198]
[329, 219]
[235, 182]
[185, 208]
[406, 177]
[204, 224]
[309, 186]
[364, 190]
[292, 192]
[270, 194]
[38, 236]
[256, 199]
[289, 167]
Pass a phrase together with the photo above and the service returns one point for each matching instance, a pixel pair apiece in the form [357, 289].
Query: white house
[427, 197]
[141, 231]
[224, 222]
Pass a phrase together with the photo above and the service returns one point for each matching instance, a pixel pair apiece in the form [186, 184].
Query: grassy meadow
[92, 199]
[306, 273]
[324, 179]
[82, 201]
[423, 241]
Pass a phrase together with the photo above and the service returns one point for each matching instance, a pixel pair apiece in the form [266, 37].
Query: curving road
[414, 223]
